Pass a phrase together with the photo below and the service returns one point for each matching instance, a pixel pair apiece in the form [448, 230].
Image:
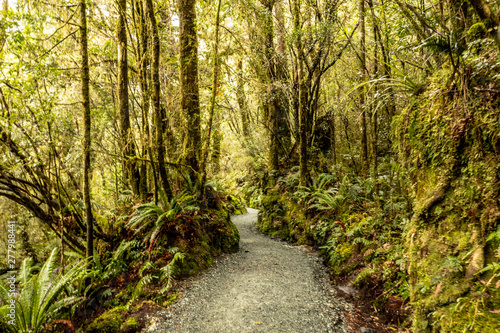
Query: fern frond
[25, 271]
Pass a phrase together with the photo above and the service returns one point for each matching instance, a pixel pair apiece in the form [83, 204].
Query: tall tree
[242, 105]
[362, 68]
[5, 8]
[215, 80]
[303, 97]
[143, 60]
[271, 98]
[85, 78]
[190, 100]
[158, 119]
[131, 173]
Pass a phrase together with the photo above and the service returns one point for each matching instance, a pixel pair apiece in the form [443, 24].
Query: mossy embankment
[428, 238]
[449, 140]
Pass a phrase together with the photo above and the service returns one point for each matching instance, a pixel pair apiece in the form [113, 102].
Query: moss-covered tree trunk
[143, 60]
[85, 81]
[158, 119]
[303, 109]
[190, 100]
[242, 105]
[491, 21]
[215, 81]
[131, 173]
[362, 108]
[271, 103]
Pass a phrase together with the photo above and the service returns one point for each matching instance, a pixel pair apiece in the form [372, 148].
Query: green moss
[171, 299]
[467, 315]
[130, 325]
[108, 322]
[477, 31]
[231, 241]
[445, 239]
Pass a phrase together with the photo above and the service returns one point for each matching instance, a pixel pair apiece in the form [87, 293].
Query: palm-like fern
[39, 300]
[151, 217]
[154, 216]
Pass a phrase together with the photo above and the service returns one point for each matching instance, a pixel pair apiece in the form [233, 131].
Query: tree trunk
[128, 150]
[270, 102]
[491, 20]
[190, 101]
[240, 96]
[215, 80]
[362, 58]
[85, 77]
[158, 120]
[217, 139]
[281, 100]
[5, 8]
[143, 60]
[302, 100]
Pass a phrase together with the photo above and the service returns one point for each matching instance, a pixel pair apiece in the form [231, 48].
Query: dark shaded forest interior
[131, 130]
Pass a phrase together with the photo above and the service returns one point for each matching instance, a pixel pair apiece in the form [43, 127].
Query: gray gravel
[268, 286]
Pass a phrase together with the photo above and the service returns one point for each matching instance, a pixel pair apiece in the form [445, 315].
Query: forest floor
[268, 286]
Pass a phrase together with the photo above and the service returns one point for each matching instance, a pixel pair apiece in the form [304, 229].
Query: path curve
[268, 286]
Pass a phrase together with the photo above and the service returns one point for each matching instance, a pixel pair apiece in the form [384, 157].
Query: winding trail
[268, 286]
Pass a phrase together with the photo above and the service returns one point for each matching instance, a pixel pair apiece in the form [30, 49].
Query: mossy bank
[449, 139]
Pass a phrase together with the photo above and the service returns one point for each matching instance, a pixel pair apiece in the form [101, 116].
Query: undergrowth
[155, 245]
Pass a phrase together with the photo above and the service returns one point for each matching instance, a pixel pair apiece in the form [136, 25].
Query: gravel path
[268, 286]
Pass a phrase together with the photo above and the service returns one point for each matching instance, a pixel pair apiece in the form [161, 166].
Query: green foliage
[171, 269]
[41, 297]
[149, 219]
[150, 274]
[344, 221]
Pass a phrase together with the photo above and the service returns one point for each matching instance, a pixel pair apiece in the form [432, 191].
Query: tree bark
[85, 78]
[362, 58]
[158, 119]
[215, 80]
[143, 60]
[240, 96]
[302, 100]
[190, 100]
[131, 174]
[5, 8]
[271, 101]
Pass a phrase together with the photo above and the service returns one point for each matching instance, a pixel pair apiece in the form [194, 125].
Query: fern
[39, 300]
[150, 217]
[169, 270]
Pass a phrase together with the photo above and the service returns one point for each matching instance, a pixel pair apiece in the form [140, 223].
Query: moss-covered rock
[109, 322]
